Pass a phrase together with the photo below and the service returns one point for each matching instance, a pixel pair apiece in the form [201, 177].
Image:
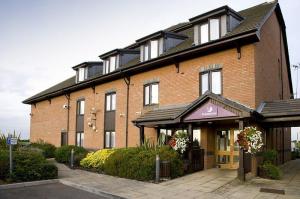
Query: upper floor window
[111, 64]
[151, 94]
[80, 107]
[110, 102]
[211, 81]
[82, 74]
[214, 29]
[151, 49]
[209, 31]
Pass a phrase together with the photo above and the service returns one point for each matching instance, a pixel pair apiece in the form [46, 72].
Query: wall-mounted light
[31, 114]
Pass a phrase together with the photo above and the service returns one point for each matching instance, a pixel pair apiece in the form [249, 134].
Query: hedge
[139, 163]
[27, 166]
[48, 150]
[63, 154]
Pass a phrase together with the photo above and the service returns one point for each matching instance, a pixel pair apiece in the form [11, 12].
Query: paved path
[211, 183]
[251, 189]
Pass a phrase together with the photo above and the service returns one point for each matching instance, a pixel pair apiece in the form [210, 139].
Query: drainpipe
[68, 117]
[127, 81]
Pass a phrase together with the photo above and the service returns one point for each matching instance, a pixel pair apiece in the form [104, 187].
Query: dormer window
[151, 49]
[111, 64]
[214, 24]
[81, 74]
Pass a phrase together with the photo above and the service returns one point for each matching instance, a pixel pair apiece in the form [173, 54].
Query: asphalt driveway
[47, 191]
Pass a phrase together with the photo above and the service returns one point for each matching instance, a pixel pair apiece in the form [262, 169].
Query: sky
[40, 40]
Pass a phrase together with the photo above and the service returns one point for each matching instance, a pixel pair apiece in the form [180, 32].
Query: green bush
[48, 150]
[31, 165]
[271, 171]
[4, 164]
[269, 156]
[96, 159]
[63, 154]
[139, 163]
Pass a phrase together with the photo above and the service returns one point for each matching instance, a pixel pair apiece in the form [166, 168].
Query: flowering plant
[250, 139]
[179, 141]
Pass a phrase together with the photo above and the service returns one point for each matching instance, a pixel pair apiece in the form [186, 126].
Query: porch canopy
[214, 108]
[208, 107]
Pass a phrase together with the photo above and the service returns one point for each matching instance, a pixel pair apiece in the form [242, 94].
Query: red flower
[172, 142]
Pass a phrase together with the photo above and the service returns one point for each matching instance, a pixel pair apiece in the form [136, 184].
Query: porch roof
[283, 113]
[176, 113]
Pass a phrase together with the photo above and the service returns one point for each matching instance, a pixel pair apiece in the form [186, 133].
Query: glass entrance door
[227, 149]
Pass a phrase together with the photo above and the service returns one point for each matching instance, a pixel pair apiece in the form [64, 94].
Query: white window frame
[81, 74]
[110, 101]
[80, 141]
[80, 107]
[154, 49]
[110, 139]
[148, 94]
[214, 34]
[211, 81]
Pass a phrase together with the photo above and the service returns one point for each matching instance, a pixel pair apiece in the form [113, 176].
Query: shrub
[96, 159]
[30, 165]
[139, 163]
[269, 156]
[271, 171]
[48, 150]
[63, 154]
[4, 164]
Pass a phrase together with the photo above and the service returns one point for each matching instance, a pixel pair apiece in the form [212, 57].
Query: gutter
[127, 81]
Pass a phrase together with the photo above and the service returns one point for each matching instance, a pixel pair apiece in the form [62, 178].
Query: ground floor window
[165, 135]
[110, 139]
[79, 139]
[197, 136]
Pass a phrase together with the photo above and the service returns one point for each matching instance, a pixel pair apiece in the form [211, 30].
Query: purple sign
[209, 110]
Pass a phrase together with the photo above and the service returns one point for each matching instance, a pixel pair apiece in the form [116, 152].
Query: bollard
[157, 169]
[72, 159]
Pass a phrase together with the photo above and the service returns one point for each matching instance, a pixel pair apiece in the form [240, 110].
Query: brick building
[211, 76]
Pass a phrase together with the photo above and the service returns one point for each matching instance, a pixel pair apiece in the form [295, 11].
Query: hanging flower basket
[250, 140]
[179, 142]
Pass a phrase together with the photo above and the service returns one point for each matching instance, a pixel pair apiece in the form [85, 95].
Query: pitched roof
[254, 17]
[280, 108]
[172, 114]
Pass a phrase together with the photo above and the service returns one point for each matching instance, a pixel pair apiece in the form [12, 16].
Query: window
[110, 102]
[211, 81]
[197, 136]
[79, 138]
[154, 49]
[110, 139]
[165, 135]
[214, 29]
[80, 107]
[151, 94]
[146, 53]
[204, 33]
[111, 64]
[81, 74]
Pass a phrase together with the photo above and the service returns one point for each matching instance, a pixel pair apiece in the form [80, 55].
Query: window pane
[161, 46]
[154, 94]
[81, 74]
[108, 100]
[204, 33]
[204, 83]
[113, 137]
[82, 138]
[113, 102]
[106, 66]
[112, 63]
[216, 82]
[146, 95]
[214, 29]
[154, 49]
[197, 135]
[146, 53]
[107, 139]
[81, 111]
